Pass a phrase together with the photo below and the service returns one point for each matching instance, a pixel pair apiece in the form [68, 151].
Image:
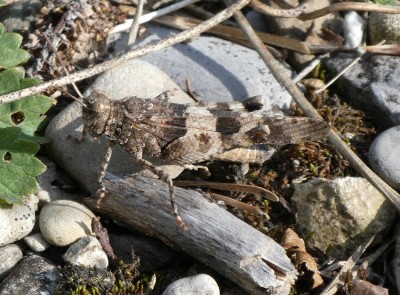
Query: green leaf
[2, 28]
[10, 53]
[18, 166]
[27, 113]
[10, 80]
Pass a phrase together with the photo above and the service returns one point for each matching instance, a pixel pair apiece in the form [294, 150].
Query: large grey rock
[17, 221]
[339, 215]
[83, 159]
[86, 252]
[34, 275]
[10, 255]
[384, 156]
[63, 222]
[201, 284]
[372, 85]
[218, 70]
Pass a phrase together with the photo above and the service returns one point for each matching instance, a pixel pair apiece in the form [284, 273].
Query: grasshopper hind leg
[166, 178]
[101, 192]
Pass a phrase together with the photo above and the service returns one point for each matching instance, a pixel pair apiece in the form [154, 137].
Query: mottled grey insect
[187, 134]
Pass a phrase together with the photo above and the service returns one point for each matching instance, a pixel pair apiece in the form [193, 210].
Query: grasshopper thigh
[193, 148]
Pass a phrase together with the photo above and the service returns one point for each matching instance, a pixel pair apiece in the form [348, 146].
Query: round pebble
[201, 284]
[63, 222]
[384, 156]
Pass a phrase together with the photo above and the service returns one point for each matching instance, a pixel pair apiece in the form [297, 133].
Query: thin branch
[309, 110]
[135, 24]
[170, 41]
[277, 12]
[346, 6]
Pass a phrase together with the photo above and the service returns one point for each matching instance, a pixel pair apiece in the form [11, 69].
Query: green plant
[19, 121]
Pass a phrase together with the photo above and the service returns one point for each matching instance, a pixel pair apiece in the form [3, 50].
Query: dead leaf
[304, 262]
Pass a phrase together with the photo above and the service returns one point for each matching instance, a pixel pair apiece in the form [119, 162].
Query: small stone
[353, 29]
[34, 275]
[86, 252]
[341, 214]
[10, 255]
[201, 284]
[83, 159]
[63, 222]
[17, 221]
[36, 242]
[384, 156]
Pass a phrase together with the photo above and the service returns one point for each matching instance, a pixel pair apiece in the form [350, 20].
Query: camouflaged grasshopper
[187, 134]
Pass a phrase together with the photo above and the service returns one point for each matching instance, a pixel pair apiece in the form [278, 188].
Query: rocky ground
[51, 245]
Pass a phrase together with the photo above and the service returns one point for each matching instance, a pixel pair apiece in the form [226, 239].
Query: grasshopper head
[96, 113]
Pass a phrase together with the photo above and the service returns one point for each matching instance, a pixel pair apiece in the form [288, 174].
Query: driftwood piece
[217, 238]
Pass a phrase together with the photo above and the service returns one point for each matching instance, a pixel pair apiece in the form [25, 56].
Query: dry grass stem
[341, 73]
[235, 34]
[135, 24]
[170, 41]
[243, 188]
[152, 15]
[238, 204]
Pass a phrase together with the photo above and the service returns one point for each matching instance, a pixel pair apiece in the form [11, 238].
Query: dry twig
[135, 24]
[152, 15]
[243, 188]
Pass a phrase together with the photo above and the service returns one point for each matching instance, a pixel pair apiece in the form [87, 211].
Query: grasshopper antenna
[80, 99]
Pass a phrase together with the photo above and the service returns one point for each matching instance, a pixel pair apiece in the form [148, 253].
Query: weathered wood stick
[217, 238]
